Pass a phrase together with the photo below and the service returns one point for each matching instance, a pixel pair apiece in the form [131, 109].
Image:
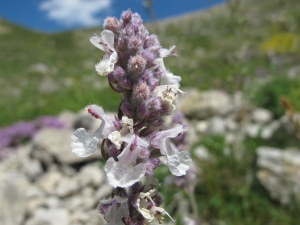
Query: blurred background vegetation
[250, 46]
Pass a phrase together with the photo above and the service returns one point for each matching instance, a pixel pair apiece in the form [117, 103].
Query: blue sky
[59, 15]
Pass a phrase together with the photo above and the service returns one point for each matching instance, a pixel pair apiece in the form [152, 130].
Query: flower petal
[178, 163]
[83, 144]
[125, 172]
[163, 52]
[106, 65]
[105, 42]
[161, 137]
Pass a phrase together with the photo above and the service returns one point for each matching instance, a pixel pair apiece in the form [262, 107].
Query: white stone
[12, 198]
[53, 216]
[53, 202]
[56, 142]
[202, 105]
[230, 124]
[32, 168]
[279, 172]
[216, 125]
[262, 116]
[67, 117]
[49, 181]
[91, 175]
[202, 153]
[66, 187]
[202, 126]
[252, 130]
[103, 191]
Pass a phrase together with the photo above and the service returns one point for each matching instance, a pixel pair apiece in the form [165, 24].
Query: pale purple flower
[133, 141]
[85, 144]
[114, 210]
[127, 170]
[105, 43]
[178, 161]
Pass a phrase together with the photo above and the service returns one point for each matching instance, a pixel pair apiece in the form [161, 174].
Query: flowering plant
[133, 140]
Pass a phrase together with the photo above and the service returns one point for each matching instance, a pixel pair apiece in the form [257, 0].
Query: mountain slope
[223, 47]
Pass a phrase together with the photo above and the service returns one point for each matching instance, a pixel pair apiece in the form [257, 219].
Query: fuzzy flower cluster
[132, 141]
[21, 132]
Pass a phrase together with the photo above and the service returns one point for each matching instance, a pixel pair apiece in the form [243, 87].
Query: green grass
[216, 50]
[228, 191]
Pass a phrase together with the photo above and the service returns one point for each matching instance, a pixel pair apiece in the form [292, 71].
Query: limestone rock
[216, 125]
[202, 105]
[57, 144]
[49, 181]
[91, 175]
[52, 216]
[12, 198]
[279, 173]
[262, 116]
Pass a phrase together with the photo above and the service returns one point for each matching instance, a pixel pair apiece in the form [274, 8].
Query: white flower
[168, 78]
[127, 124]
[154, 211]
[167, 93]
[126, 171]
[85, 144]
[178, 162]
[105, 43]
[115, 138]
[118, 210]
[163, 52]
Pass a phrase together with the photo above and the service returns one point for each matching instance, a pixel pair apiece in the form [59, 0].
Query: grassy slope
[216, 48]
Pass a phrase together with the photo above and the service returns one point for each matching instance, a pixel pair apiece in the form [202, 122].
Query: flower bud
[141, 93]
[134, 44]
[149, 56]
[111, 23]
[142, 111]
[127, 109]
[154, 104]
[151, 41]
[126, 16]
[136, 64]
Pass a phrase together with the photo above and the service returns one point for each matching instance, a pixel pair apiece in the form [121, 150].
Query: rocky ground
[43, 182]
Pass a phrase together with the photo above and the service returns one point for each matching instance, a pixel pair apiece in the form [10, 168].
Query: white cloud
[75, 12]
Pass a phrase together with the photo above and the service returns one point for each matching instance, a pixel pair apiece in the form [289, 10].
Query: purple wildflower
[133, 63]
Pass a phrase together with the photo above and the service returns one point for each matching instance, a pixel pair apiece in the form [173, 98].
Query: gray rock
[262, 116]
[202, 105]
[34, 191]
[202, 126]
[57, 144]
[33, 204]
[202, 153]
[53, 202]
[32, 168]
[52, 216]
[67, 117]
[40, 68]
[49, 181]
[74, 202]
[252, 130]
[230, 124]
[66, 187]
[91, 175]
[48, 86]
[103, 192]
[268, 130]
[279, 173]
[12, 198]
[216, 125]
